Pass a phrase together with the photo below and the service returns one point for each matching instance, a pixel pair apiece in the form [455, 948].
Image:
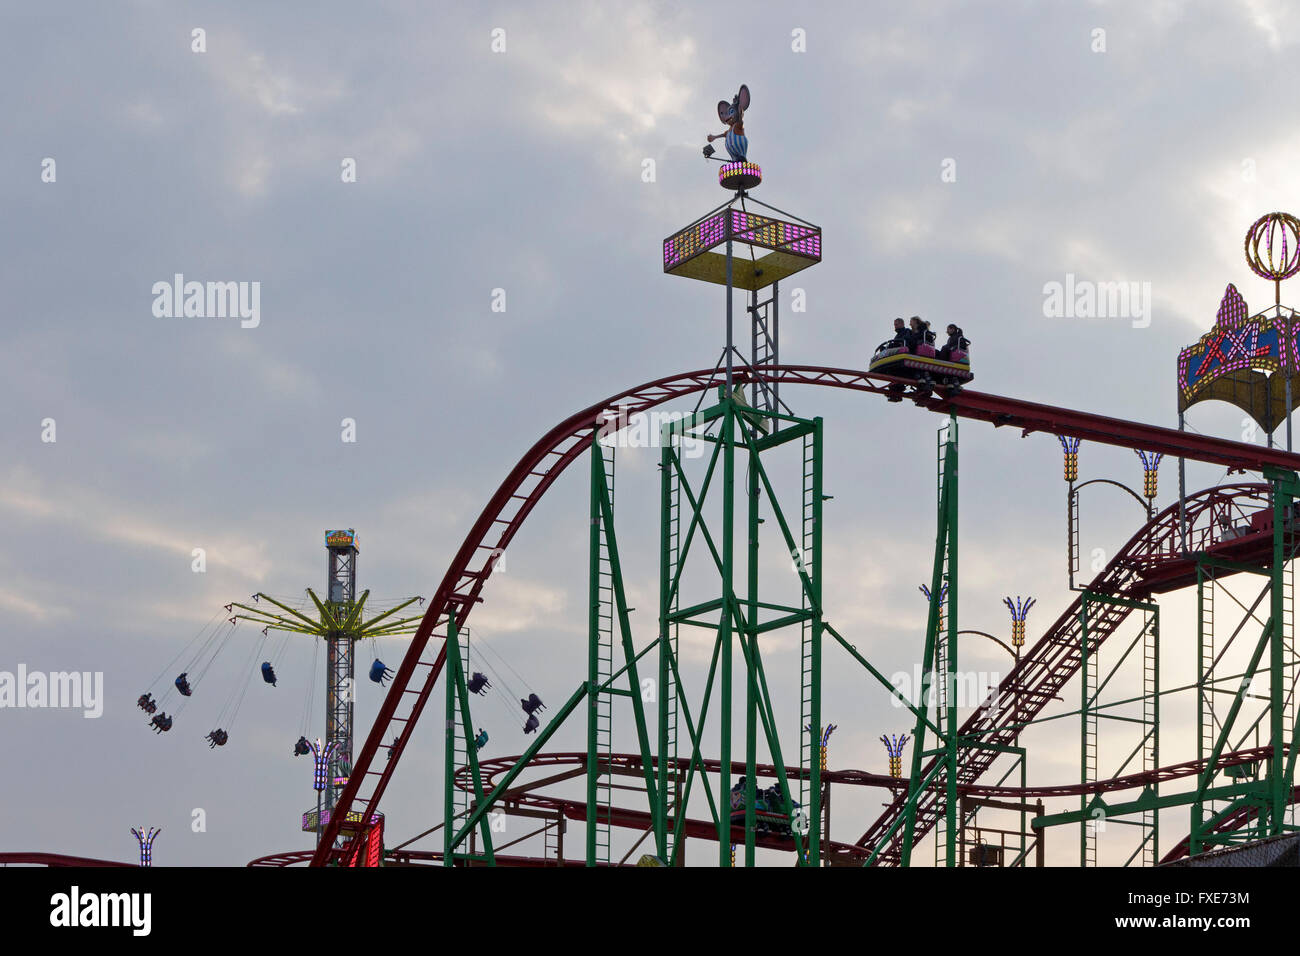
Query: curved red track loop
[515, 499]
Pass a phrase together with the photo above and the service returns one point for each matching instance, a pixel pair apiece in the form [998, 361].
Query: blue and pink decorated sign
[1262, 343]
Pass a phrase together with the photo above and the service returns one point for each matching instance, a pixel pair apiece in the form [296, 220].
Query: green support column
[724, 631]
[1203, 692]
[751, 681]
[666, 463]
[950, 807]
[449, 763]
[945, 543]
[1283, 485]
[815, 728]
[593, 641]
[1083, 728]
[458, 702]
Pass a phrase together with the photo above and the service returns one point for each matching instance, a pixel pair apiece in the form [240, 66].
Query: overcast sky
[958, 156]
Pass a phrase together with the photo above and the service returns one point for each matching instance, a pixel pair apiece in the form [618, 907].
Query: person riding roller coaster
[147, 703]
[183, 685]
[957, 342]
[479, 684]
[268, 673]
[769, 809]
[217, 738]
[302, 747]
[911, 354]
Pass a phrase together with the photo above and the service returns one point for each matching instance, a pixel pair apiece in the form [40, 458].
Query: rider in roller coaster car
[921, 334]
[957, 343]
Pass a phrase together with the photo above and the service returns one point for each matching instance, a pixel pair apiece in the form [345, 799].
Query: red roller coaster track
[529, 480]
[525, 796]
[55, 859]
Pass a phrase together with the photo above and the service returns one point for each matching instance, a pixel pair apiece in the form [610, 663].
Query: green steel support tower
[736, 612]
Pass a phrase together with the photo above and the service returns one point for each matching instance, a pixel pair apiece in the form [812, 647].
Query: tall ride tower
[340, 661]
[740, 248]
[341, 622]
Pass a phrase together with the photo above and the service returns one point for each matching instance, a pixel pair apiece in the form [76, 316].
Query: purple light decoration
[145, 839]
[894, 748]
[1150, 471]
[694, 239]
[1232, 308]
[826, 736]
[943, 596]
[1242, 337]
[754, 230]
[322, 757]
[741, 169]
[924, 589]
[1019, 612]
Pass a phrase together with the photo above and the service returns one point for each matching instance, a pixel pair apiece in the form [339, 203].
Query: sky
[494, 266]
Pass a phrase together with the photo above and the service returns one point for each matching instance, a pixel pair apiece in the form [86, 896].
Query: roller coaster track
[525, 796]
[1221, 521]
[462, 585]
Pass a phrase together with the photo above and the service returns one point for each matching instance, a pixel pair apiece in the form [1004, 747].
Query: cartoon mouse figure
[733, 115]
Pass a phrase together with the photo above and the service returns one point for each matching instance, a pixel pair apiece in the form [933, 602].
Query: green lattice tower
[739, 615]
[458, 745]
[1263, 792]
[938, 671]
[944, 688]
[609, 636]
[1101, 614]
[601, 625]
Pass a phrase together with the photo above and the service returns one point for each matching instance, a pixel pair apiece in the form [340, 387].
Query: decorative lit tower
[894, 749]
[145, 838]
[1249, 360]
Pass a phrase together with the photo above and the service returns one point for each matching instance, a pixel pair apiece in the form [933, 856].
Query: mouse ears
[725, 112]
[742, 98]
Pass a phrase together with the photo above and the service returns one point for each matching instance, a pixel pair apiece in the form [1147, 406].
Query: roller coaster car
[922, 365]
[769, 810]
